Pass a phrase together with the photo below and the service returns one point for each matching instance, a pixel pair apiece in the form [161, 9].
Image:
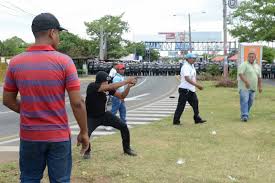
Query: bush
[226, 83]
[204, 76]
[233, 73]
[213, 70]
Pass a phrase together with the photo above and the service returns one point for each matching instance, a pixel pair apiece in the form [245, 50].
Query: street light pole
[190, 38]
[225, 64]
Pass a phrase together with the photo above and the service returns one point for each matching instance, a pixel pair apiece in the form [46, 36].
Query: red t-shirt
[41, 76]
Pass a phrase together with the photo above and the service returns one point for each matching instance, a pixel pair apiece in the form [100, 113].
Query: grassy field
[238, 152]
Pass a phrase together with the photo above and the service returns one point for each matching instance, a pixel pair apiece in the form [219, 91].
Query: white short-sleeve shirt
[112, 72]
[190, 71]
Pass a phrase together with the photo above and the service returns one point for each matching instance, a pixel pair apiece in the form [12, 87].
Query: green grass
[239, 152]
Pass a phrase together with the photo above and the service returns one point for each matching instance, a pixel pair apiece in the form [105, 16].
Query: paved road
[148, 101]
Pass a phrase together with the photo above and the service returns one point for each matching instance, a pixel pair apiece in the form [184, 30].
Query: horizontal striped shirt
[41, 75]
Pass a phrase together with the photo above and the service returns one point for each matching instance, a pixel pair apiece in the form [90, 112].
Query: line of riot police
[167, 69]
[268, 71]
[138, 68]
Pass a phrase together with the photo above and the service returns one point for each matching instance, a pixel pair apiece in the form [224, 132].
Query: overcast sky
[143, 16]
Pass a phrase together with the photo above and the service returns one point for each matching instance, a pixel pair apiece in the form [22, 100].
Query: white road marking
[142, 119]
[9, 148]
[9, 141]
[96, 133]
[6, 112]
[138, 123]
[140, 83]
[147, 115]
[151, 112]
[136, 97]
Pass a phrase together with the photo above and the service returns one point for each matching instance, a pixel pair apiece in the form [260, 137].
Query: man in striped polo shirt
[41, 75]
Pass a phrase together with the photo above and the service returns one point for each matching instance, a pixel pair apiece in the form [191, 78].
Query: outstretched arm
[115, 86]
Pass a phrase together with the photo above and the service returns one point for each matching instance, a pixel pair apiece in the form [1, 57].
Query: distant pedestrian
[112, 74]
[187, 90]
[96, 108]
[41, 75]
[249, 82]
[117, 103]
[113, 71]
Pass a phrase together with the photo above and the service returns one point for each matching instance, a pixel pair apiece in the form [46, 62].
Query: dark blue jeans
[35, 156]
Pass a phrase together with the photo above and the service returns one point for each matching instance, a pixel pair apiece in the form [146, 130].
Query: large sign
[246, 48]
[173, 36]
[232, 4]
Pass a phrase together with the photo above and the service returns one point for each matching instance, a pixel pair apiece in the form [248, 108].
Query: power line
[15, 8]
[19, 8]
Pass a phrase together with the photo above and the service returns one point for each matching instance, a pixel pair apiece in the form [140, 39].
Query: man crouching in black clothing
[96, 108]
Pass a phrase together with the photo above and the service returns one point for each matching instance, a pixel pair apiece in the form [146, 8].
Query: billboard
[173, 36]
[245, 48]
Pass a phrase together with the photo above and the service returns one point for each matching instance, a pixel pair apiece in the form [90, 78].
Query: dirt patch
[91, 180]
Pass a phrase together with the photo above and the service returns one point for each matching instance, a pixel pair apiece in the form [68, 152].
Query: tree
[154, 55]
[136, 48]
[268, 54]
[13, 46]
[113, 28]
[254, 20]
[140, 50]
[1, 48]
[74, 46]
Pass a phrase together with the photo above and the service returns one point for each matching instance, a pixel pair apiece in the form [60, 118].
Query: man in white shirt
[112, 74]
[187, 90]
[113, 71]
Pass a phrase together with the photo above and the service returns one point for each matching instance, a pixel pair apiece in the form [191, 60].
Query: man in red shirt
[41, 75]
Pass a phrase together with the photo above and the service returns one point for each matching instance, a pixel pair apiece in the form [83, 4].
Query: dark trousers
[108, 119]
[190, 97]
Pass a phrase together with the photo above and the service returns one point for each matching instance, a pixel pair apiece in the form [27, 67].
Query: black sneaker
[130, 152]
[87, 155]
[200, 121]
[176, 123]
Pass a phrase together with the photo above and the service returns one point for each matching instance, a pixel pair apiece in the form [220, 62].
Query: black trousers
[190, 97]
[108, 119]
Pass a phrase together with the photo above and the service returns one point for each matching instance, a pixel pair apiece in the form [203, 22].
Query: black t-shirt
[96, 101]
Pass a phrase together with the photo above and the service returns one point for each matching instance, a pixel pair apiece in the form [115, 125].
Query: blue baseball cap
[190, 55]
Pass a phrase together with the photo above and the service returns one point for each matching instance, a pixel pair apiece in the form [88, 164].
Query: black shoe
[176, 123]
[130, 152]
[87, 155]
[200, 121]
[244, 119]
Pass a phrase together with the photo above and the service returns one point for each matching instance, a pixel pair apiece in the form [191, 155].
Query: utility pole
[190, 38]
[225, 62]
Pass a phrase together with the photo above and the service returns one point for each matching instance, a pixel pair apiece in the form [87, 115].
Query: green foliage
[233, 73]
[154, 55]
[12, 46]
[140, 50]
[268, 54]
[254, 20]
[113, 28]
[205, 76]
[137, 48]
[213, 70]
[74, 46]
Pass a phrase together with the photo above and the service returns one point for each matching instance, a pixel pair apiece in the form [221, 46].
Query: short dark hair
[40, 34]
